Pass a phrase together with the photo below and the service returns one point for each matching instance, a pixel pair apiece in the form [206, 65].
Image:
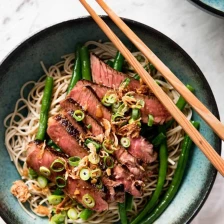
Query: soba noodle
[20, 130]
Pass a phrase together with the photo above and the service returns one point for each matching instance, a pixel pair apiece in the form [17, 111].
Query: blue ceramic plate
[214, 6]
[48, 45]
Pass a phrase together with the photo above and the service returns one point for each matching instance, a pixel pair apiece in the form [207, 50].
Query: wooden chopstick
[196, 137]
[208, 117]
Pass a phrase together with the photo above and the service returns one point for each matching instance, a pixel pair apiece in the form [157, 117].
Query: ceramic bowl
[215, 7]
[49, 45]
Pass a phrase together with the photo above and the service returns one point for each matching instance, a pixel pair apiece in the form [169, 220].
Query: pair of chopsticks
[211, 120]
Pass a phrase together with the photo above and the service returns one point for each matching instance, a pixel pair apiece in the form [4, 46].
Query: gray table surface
[198, 33]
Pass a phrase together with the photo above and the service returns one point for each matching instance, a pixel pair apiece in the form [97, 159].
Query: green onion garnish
[99, 184]
[106, 144]
[58, 165]
[135, 114]
[115, 106]
[88, 200]
[55, 199]
[137, 77]
[108, 100]
[42, 181]
[45, 171]
[94, 158]
[32, 174]
[60, 181]
[57, 191]
[108, 161]
[78, 115]
[85, 214]
[97, 145]
[89, 126]
[95, 173]
[74, 161]
[84, 174]
[150, 120]
[72, 214]
[58, 218]
[125, 83]
[125, 142]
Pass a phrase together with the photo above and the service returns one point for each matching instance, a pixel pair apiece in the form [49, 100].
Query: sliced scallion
[45, 171]
[108, 100]
[108, 161]
[74, 161]
[42, 181]
[115, 106]
[125, 142]
[85, 214]
[125, 83]
[58, 218]
[55, 199]
[72, 214]
[99, 184]
[58, 165]
[60, 181]
[84, 174]
[150, 120]
[89, 126]
[32, 174]
[78, 115]
[135, 114]
[97, 145]
[106, 144]
[94, 158]
[88, 200]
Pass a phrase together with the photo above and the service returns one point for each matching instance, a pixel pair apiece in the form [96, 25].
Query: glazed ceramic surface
[214, 6]
[49, 45]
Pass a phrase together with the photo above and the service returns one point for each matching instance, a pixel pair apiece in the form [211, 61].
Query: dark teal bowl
[22, 65]
[215, 7]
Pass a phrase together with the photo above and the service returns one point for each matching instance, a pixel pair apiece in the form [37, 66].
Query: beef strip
[86, 97]
[69, 105]
[65, 136]
[75, 188]
[131, 185]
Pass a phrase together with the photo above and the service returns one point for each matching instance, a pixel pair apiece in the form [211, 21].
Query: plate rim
[23, 44]
[208, 8]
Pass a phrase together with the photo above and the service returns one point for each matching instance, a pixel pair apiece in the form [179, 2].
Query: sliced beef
[78, 188]
[129, 161]
[74, 188]
[65, 136]
[152, 104]
[105, 75]
[131, 185]
[69, 105]
[153, 107]
[142, 149]
[86, 97]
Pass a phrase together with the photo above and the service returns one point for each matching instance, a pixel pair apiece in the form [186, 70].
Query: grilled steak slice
[142, 149]
[74, 188]
[105, 75]
[129, 161]
[78, 188]
[152, 104]
[86, 97]
[65, 136]
[130, 184]
[69, 105]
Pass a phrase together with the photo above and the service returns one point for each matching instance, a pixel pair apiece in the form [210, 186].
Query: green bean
[158, 139]
[110, 63]
[77, 71]
[45, 106]
[163, 164]
[85, 214]
[128, 201]
[122, 212]
[85, 62]
[176, 181]
[118, 62]
[53, 145]
[181, 103]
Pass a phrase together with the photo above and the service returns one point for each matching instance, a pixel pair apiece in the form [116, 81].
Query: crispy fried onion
[20, 190]
[107, 126]
[66, 204]
[131, 130]
[42, 210]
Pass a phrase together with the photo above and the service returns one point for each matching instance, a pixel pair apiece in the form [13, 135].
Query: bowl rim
[23, 43]
[208, 8]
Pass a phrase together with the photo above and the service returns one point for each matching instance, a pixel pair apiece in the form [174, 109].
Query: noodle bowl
[21, 129]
